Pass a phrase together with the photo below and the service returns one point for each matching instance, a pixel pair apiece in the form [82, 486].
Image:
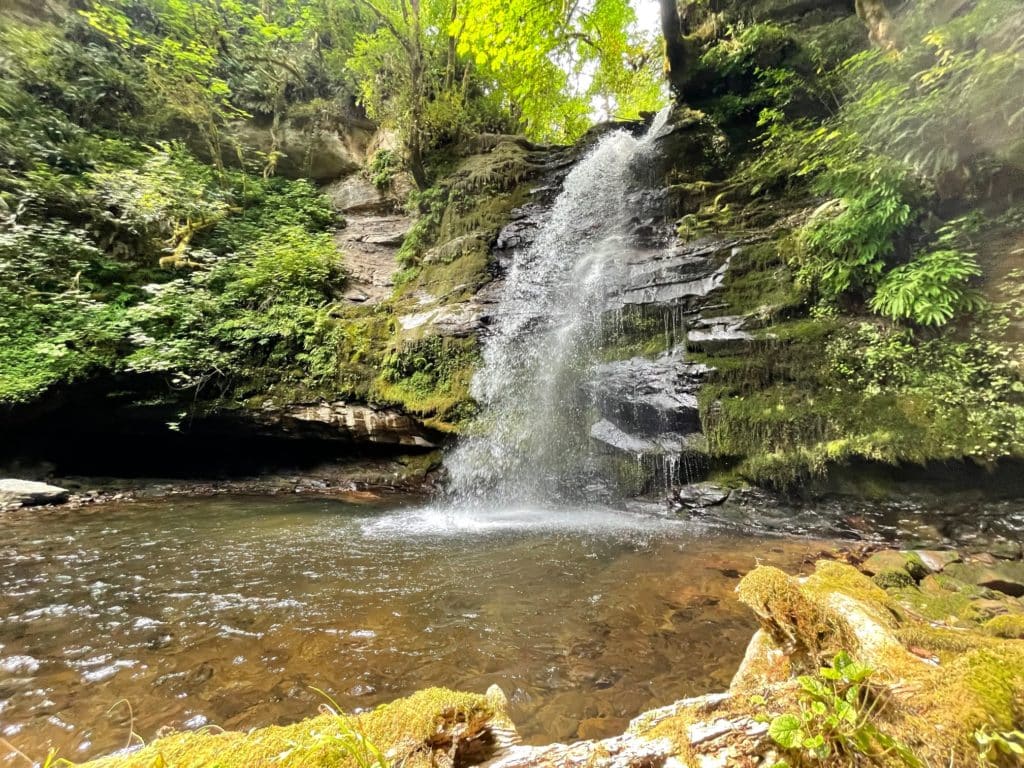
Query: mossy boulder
[942, 684]
[1006, 577]
[1009, 626]
[892, 568]
[435, 727]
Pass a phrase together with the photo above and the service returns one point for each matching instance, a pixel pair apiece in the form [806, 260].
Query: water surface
[229, 610]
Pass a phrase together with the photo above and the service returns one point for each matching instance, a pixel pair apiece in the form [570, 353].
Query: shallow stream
[230, 610]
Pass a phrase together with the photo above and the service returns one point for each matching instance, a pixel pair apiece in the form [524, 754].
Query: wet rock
[615, 438]
[1002, 576]
[600, 727]
[720, 335]
[700, 496]
[28, 493]
[347, 422]
[649, 397]
[934, 560]
[674, 276]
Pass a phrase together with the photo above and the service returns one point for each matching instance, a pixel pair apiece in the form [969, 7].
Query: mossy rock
[934, 705]
[889, 561]
[1009, 626]
[434, 727]
[1006, 577]
[893, 578]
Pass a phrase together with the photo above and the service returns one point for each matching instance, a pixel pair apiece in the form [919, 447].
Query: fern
[930, 290]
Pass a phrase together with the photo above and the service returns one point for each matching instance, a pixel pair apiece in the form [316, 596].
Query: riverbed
[232, 611]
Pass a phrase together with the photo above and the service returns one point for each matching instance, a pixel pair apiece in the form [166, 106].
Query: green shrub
[930, 290]
[382, 168]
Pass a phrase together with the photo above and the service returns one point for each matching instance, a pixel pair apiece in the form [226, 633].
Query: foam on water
[448, 520]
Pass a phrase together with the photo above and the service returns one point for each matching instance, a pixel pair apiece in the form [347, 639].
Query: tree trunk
[416, 70]
[881, 27]
[679, 54]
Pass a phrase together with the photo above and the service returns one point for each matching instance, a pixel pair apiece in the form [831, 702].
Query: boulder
[891, 560]
[1003, 576]
[700, 496]
[27, 493]
[936, 560]
[356, 194]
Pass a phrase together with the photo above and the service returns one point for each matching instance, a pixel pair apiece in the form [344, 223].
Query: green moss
[936, 605]
[786, 612]
[641, 331]
[760, 282]
[935, 709]
[430, 378]
[453, 281]
[893, 579]
[414, 732]
[1008, 626]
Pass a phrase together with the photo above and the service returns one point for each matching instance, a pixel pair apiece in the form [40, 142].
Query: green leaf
[786, 731]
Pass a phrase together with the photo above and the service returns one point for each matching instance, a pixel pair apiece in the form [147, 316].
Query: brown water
[228, 610]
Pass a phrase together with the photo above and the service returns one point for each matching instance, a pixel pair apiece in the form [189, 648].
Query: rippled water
[228, 610]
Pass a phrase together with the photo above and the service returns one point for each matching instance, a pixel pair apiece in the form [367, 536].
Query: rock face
[27, 493]
[351, 423]
[356, 194]
[650, 396]
[369, 243]
[677, 275]
[312, 151]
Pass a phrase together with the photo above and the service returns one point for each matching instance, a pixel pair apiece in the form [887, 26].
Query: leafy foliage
[911, 133]
[382, 168]
[930, 290]
[539, 52]
[835, 721]
[998, 748]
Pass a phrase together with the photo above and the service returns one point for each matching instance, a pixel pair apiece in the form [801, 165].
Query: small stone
[935, 560]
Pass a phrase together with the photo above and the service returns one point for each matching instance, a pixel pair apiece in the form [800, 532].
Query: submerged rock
[27, 493]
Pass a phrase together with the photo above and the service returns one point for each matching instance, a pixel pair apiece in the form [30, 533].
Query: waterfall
[531, 440]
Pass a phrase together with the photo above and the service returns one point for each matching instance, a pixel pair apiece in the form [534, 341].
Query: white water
[531, 443]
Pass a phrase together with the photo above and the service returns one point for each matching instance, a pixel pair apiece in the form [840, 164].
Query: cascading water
[531, 443]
